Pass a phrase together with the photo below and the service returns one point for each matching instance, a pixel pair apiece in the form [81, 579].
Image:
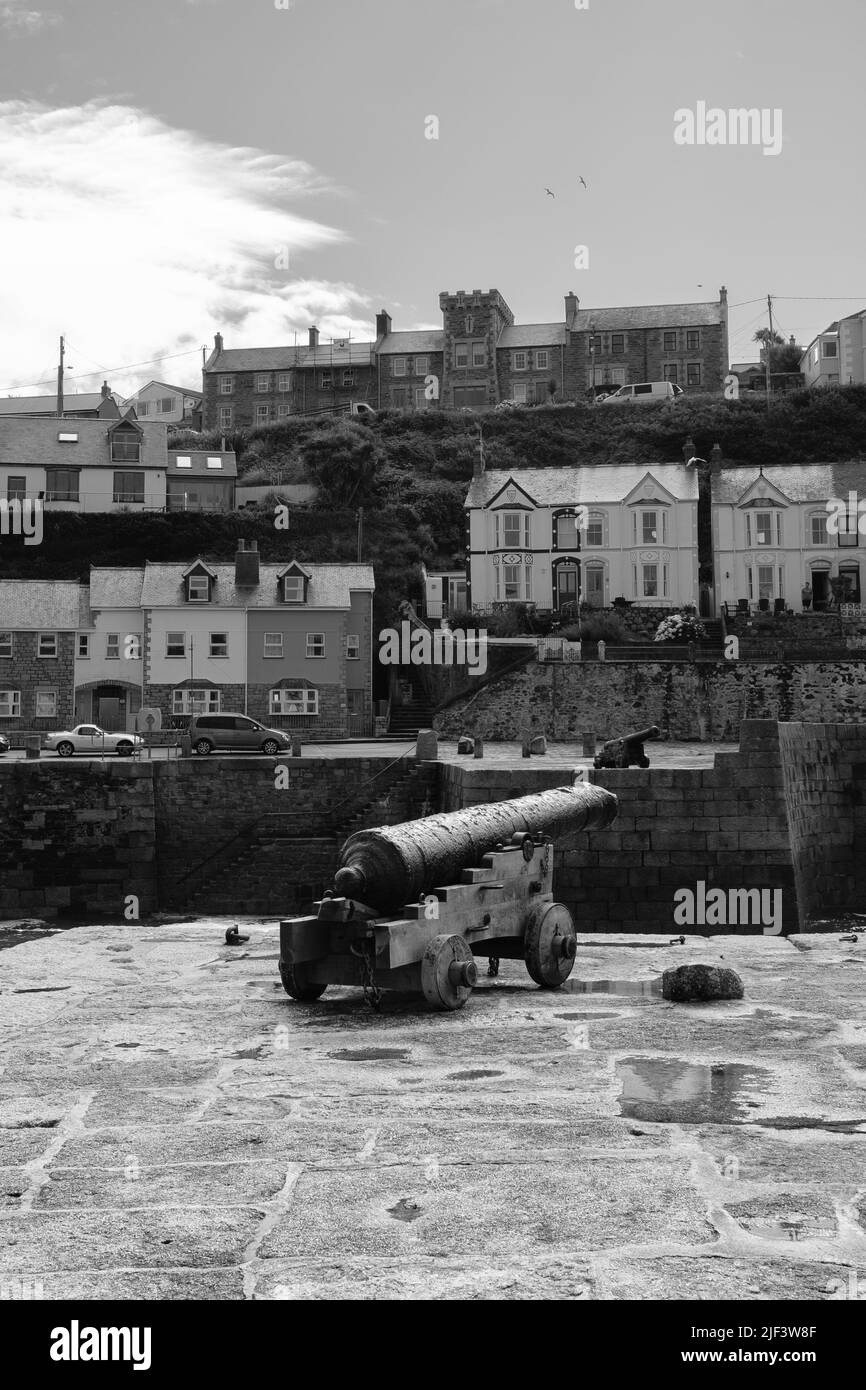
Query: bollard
[296, 747]
[525, 749]
[465, 744]
[479, 748]
[538, 744]
[427, 746]
[185, 745]
[601, 650]
[589, 745]
[33, 746]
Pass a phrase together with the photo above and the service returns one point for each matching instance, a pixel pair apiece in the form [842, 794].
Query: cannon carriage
[413, 905]
[626, 751]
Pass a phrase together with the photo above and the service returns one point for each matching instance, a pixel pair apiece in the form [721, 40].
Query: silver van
[234, 733]
[644, 393]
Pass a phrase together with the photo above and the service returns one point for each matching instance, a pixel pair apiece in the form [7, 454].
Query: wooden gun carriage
[413, 905]
[628, 750]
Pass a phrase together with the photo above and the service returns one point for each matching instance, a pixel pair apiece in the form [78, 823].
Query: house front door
[566, 585]
[594, 591]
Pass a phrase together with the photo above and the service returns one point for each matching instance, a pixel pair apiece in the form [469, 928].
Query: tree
[343, 462]
[784, 357]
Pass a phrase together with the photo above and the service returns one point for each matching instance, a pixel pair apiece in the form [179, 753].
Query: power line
[48, 381]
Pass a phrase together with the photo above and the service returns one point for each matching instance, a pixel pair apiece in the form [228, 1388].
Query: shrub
[604, 627]
[680, 627]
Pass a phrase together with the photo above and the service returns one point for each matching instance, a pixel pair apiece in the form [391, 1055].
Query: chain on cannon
[488, 873]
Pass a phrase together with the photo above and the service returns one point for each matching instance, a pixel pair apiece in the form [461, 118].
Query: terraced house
[478, 358]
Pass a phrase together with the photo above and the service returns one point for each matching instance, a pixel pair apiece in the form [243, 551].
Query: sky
[178, 168]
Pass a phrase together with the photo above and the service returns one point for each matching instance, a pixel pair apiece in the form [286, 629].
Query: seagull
[583, 181]
[552, 195]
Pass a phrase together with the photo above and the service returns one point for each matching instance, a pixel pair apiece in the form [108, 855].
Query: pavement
[172, 1125]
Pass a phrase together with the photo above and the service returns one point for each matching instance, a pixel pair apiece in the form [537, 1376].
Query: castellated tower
[472, 322]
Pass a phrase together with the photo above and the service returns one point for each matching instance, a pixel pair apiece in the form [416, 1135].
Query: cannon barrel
[390, 866]
[641, 736]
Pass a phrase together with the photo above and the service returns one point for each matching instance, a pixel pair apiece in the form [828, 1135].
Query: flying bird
[583, 181]
[552, 195]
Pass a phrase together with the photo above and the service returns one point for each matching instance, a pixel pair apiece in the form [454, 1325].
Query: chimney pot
[218, 342]
[314, 337]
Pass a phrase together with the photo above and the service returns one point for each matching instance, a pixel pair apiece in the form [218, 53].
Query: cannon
[414, 904]
[626, 751]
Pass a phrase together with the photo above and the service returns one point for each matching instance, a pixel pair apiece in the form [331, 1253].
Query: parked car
[89, 738]
[644, 393]
[234, 733]
[4, 744]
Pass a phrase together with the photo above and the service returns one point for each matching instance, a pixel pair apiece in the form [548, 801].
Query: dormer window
[197, 588]
[126, 446]
[293, 588]
[183, 462]
[214, 463]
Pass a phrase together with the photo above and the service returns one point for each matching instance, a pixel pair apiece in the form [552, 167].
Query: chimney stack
[383, 324]
[105, 391]
[572, 304]
[218, 342]
[715, 459]
[247, 565]
[314, 337]
[688, 449]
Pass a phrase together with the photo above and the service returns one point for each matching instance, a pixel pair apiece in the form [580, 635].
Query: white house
[770, 535]
[555, 536]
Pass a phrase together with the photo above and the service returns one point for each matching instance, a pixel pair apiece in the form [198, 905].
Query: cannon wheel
[550, 944]
[448, 972]
[644, 761]
[297, 983]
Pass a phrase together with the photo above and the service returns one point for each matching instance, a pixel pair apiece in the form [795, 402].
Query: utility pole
[60, 381]
[360, 532]
[769, 350]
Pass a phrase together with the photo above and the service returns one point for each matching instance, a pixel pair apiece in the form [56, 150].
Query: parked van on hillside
[644, 393]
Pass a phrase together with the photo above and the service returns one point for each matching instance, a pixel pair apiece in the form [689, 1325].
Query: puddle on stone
[791, 1226]
[675, 1092]
[587, 1017]
[43, 989]
[807, 1122]
[370, 1054]
[405, 1210]
[636, 989]
[25, 931]
[471, 1075]
[248, 1053]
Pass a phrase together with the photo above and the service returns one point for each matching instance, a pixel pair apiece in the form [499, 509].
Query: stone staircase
[285, 863]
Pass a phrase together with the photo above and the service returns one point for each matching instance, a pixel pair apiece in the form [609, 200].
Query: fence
[558, 649]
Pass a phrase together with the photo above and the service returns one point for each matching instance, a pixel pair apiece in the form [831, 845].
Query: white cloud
[15, 15]
[134, 239]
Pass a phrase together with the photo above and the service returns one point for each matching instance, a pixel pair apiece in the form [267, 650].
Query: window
[420, 398]
[670, 341]
[175, 644]
[520, 392]
[10, 704]
[649, 528]
[293, 588]
[315, 644]
[125, 448]
[593, 343]
[595, 529]
[828, 349]
[469, 324]
[273, 644]
[518, 361]
[399, 366]
[650, 577]
[188, 701]
[479, 355]
[763, 528]
[262, 412]
[47, 645]
[112, 646]
[283, 381]
[511, 576]
[5, 644]
[617, 342]
[83, 646]
[566, 533]
[68, 438]
[542, 360]
[461, 354]
[197, 588]
[227, 385]
[129, 487]
[422, 366]
[214, 463]
[142, 407]
[348, 376]
[225, 417]
[513, 530]
[693, 340]
[669, 371]
[818, 529]
[765, 581]
[219, 644]
[849, 538]
[283, 412]
[61, 485]
[46, 704]
[353, 647]
[693, 374]
[183, 462]
[286, 701]
[263, 382]
[16, 488]
[399, 397]
[166, 405]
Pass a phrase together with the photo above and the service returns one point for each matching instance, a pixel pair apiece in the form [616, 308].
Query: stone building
[478, 358]
[39, 622]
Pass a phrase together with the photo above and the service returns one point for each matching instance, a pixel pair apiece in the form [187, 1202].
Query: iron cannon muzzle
[390, 866]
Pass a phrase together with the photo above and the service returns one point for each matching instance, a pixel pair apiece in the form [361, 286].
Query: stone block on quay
[685, 984]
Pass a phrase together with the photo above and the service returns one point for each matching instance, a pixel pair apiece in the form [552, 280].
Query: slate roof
[34, 443]
[51, 604]
[648, 316]
[165, 386]
[198, 458]
[420, 340]
[284, 359]
[801, 482]
[115, 588]
[330, 586]
[47, 405]
[527, 335]
[559, 487]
